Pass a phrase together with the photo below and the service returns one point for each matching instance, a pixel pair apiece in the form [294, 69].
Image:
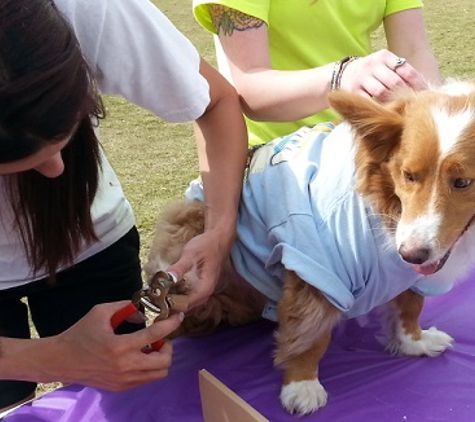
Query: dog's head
[416, 166]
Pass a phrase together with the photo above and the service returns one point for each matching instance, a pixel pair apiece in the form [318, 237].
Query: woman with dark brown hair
[68, 240]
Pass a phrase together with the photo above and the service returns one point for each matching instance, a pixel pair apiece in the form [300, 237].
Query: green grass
[155, 160]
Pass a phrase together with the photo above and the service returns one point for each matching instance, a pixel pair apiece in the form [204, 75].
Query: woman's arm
[273, 95]
[267, 94]
[221, 137]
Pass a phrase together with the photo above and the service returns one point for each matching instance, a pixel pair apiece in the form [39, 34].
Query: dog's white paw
[432, 343]
[303, 397]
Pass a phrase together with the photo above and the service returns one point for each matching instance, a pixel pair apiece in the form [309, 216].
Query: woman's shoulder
[86, 17]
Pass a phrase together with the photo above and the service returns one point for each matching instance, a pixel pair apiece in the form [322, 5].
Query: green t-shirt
[304, 34]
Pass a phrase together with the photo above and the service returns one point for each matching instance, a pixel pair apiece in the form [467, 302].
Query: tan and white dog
[336, 222]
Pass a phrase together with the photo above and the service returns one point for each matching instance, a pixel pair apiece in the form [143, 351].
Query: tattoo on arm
[227, 20]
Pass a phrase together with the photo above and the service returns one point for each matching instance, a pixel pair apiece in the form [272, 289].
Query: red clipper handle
[156, 346]
[122, 314]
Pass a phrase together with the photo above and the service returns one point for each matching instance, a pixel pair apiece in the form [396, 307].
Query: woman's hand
[379, 75]
[90, 353]
[200, 265]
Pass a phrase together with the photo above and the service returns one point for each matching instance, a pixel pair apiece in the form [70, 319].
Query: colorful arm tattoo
[227, 20]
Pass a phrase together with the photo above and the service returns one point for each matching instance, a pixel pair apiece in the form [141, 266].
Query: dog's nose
[414, 255]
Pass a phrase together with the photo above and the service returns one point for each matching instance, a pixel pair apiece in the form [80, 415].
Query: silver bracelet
[338, 69]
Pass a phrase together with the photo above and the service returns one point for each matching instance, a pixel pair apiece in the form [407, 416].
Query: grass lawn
[155, 160]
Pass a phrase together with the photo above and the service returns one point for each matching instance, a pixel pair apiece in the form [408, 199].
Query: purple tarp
[364, 383]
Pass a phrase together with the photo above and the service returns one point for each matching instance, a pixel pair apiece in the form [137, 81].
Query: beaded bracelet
[338, 69]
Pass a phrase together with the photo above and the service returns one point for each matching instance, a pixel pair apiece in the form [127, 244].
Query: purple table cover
[364, 383]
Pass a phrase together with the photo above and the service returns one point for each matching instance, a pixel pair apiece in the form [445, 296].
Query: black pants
[111, 275]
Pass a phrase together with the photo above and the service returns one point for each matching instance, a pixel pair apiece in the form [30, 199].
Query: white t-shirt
[136, 52]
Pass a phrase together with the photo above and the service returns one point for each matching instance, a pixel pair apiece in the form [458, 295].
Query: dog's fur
[415, 160]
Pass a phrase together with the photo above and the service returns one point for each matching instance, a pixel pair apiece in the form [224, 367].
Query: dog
[336, 221]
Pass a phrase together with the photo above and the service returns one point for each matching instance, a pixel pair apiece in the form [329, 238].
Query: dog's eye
[408, 177]
[461, 183]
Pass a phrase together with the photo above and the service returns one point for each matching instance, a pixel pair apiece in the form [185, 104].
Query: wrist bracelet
[338, 69]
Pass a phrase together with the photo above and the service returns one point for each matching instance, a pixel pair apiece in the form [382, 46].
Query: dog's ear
[378, 127]
[378, 130]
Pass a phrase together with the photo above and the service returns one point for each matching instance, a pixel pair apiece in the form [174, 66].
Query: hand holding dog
[379, 75]
[90, 353]
[200, 266]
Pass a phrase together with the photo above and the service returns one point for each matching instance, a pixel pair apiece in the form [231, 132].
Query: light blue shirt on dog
[300, 210]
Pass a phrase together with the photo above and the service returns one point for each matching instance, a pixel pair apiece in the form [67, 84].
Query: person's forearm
[26, 360]
[280, 96]
[222, 141]
[222, 149]
[424, 61]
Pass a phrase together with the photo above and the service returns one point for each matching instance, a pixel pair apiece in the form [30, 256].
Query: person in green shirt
[284, 56]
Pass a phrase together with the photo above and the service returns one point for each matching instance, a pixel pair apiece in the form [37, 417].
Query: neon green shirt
[304, 34]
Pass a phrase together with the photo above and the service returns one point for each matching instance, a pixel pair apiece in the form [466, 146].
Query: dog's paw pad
[303, 397]
[432, 343]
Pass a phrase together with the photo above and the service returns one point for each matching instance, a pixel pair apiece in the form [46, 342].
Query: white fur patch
[450, 126]
[454, 87]
[303, 397]
[422, 230]
[432, 343]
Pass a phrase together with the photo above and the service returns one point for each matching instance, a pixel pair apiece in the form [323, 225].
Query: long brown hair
[46, 92]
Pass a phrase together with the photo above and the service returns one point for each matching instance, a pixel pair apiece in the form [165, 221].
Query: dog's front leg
[406, 335]
[306, 320]
[301, 390]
